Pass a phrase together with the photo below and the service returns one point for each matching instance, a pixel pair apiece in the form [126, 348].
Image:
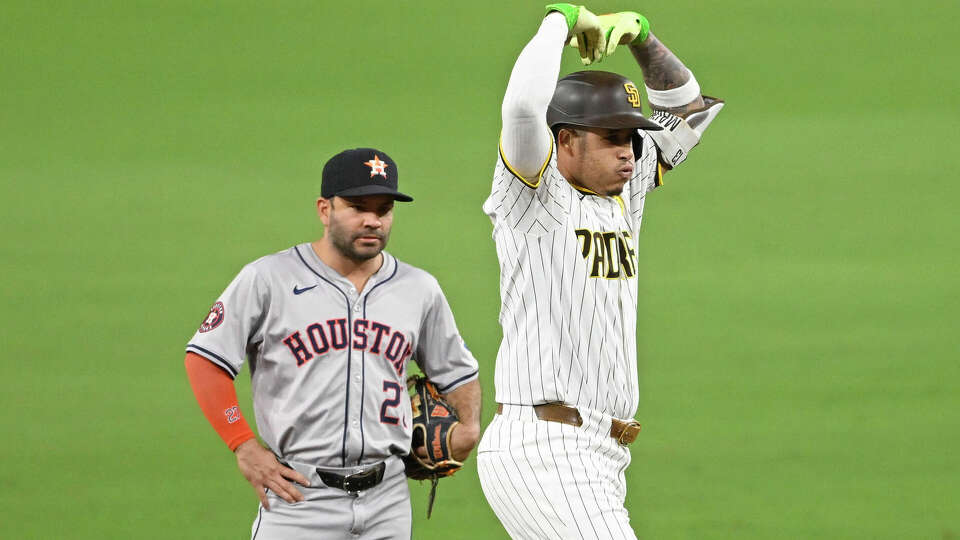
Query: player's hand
[261, 468]
[585, 30]
[621, 28]
[463, 439]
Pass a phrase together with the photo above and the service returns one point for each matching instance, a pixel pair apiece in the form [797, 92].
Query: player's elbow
[524, 108]
[522, 116]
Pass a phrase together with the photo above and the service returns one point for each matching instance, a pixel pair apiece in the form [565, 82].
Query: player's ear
[567, 138]
[323, 210]
[567, 141]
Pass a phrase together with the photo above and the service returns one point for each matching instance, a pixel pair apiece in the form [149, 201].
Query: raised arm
[674, 93]
[670, 85]
[525, 141]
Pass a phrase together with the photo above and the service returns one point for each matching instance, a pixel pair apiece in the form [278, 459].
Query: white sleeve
[526, 142]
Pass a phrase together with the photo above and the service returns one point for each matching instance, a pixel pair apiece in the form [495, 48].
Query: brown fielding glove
[433, 422]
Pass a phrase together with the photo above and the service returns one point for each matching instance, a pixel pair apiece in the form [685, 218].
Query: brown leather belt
[623, 432]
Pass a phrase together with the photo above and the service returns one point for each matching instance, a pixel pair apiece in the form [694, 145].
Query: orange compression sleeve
[218, 400]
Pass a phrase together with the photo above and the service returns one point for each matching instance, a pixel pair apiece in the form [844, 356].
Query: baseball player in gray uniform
[577, 159]
[328, 328]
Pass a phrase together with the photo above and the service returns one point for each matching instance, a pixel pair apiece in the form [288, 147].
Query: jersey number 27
[390, 387]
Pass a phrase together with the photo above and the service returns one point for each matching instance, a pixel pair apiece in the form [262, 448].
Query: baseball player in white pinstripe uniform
[328, 327]
[577, 159]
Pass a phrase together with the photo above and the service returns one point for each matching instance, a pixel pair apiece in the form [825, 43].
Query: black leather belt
[355, 482]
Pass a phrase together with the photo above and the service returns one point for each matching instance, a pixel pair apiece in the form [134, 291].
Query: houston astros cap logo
[353, 172]
[377, 166]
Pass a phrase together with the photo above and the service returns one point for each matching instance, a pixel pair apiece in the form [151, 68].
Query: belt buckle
[630, 424]
[357, 482]
[351, 483]
[348, 485]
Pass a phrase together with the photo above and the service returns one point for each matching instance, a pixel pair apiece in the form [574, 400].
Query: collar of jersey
[582, 189]
[617, 198]
[385, 269]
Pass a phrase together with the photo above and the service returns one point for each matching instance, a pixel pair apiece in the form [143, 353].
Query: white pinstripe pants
[547, 480]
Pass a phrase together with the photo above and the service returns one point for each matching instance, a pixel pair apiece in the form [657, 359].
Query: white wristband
[676, 96]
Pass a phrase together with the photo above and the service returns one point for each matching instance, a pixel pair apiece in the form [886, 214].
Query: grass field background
[799, 275]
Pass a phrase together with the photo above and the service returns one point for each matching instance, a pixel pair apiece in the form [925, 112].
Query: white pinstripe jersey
[568, 287]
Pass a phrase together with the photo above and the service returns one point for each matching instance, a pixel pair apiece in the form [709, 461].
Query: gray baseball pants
[326, 513]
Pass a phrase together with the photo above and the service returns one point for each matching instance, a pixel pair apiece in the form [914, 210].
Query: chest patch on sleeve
[214, 318]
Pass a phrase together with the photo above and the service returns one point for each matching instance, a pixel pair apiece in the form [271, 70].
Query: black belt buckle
[356, 482]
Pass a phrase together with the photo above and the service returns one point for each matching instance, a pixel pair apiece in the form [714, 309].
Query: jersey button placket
[356, 379]
[356, 299]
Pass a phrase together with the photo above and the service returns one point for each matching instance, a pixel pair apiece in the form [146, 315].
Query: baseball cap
[361, 171]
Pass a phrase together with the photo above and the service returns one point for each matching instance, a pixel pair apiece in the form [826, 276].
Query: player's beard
[605, 183]
[596, 174]
[615, 192]
[346, 242]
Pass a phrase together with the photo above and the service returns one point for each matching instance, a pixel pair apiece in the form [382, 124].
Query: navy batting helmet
[597, 99]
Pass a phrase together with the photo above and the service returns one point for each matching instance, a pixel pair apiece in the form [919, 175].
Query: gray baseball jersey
[568, 287]
[328, 362]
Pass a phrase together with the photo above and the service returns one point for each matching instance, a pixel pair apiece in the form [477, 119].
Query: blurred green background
[799, 288]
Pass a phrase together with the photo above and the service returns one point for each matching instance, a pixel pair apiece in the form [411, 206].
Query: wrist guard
[680, 134]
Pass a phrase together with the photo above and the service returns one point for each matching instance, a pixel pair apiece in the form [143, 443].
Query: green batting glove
[585, 28]
[623, 28]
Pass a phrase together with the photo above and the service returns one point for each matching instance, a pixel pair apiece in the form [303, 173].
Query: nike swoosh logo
[297, 290]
